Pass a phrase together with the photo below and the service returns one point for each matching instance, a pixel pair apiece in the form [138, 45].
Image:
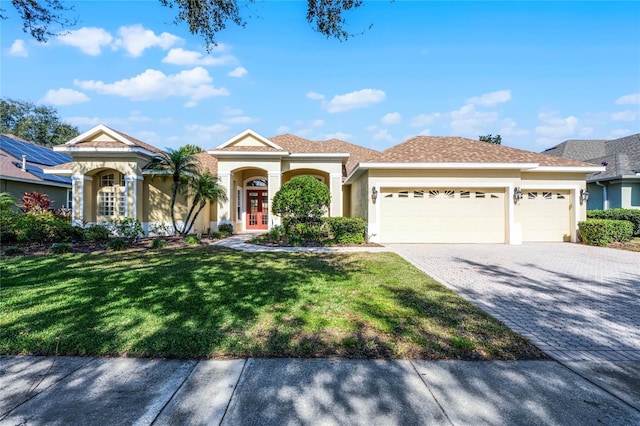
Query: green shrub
[302, 199]
[618, 214]
[347, 230]
[12, 251]
[97, 233]
[215, 235]
[8, 220]
[127, 227]
[191, 239]
[158, 243]
[118, 244]
[226, 228]
[42, 227]
[276, 233]
[160, 229]
[60, 248]
[600, 232]
[310, 232]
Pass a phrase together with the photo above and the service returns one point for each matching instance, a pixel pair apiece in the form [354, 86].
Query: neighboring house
[618, 186]
[21, 164]
[427, 189]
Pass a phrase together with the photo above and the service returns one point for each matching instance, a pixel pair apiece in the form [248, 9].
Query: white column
[77, 194]
[225, 215]
[335, 188]
[274, 184]
[131, 194]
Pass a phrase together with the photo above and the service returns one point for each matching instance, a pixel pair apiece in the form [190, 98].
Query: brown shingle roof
[207, 162]
[9, 169]
[296, 144]
[441, 149]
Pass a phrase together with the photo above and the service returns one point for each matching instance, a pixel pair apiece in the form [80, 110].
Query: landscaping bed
[211, 302]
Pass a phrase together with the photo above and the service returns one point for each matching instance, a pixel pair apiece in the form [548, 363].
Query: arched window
[261, 183]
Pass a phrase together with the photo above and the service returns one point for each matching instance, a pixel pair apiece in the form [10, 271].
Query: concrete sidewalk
[98, 391]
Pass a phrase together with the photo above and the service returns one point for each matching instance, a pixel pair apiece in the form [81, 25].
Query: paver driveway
[574, 302]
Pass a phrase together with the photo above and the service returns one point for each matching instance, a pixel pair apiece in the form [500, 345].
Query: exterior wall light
[584, 196]
[517, 194]
[374, 194]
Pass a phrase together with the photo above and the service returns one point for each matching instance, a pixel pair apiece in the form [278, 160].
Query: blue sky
[536, 73]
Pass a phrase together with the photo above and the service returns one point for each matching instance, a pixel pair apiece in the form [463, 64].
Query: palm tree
[182, 165]
[205, 187]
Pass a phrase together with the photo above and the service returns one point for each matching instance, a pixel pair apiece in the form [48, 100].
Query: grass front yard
[207, 302]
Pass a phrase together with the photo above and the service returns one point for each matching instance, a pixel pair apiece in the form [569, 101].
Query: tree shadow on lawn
[192, 303]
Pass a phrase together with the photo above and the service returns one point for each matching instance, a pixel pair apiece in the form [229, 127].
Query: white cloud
[240, 119]
[200, 133]
[315, 96]
[624, 115]
[194, 84]
[238, 72]
[490, 99]
[358, 99]
[338, 135]
[180, 56]
[554, 129]
[282, 129]
[371, 128]
[508, 129]
[618, 133]
[64, 97]
[135, 117]
[383, 135]
[467, 121]
[88, 39]
[422, 120]
[317, 123]
[391, 118]
[425, 132]
[232, 111]
[633, 99]
[18, 48]
[147, 136]
[135, 39]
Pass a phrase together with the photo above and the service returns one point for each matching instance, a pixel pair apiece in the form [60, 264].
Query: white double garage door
[470, 215]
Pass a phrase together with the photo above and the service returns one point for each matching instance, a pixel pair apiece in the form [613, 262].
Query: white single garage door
[545, 215]
[442, 215]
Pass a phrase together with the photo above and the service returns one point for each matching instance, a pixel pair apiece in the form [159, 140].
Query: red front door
[257, 209]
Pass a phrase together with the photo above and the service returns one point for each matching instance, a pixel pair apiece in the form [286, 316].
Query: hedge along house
[424, 190]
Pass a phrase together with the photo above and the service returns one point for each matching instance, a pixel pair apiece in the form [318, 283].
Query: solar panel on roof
[37, 171]
[35, 153]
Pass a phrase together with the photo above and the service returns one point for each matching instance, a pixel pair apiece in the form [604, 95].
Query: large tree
[496, 140]
[204, 17]
[36, 123]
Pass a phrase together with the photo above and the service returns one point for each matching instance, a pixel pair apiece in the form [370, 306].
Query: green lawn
[212, 302]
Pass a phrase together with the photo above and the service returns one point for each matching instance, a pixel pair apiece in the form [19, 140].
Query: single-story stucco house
[21, 170]
[424, 190]
[618, 186]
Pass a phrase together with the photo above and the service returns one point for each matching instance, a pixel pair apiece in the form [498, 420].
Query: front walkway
[575, 302]
[239, 242]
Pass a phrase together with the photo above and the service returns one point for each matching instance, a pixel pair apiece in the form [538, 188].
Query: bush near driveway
[347, 230]
[600, 232]
[207, 301]
[618, 214]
